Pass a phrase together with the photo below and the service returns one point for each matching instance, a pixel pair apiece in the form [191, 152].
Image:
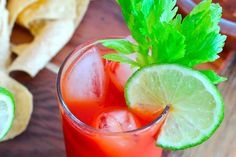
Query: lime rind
[7, 98]
[209, 89]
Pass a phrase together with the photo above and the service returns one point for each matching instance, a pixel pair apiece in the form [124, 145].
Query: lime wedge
[196, 106]
[7, 110]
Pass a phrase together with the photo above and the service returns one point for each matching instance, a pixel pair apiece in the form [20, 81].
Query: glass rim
[228, 27]
[79, 49]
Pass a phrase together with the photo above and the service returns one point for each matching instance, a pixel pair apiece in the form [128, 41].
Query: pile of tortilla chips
[52, 23]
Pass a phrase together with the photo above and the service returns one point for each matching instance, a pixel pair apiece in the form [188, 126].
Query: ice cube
[120, 73]
[85, 79]
[116, 120]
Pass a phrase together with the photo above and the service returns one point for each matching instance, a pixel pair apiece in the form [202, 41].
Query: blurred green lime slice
[7, 109]
[196, 106]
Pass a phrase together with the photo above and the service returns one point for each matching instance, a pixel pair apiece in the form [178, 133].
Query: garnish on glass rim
[167, 48]
[155, 26]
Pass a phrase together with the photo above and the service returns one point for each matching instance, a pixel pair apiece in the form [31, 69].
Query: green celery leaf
[177, 21]
[163, 10]
[163, 37]
[121, 58]
[131, 10]
[201, 30]
[142, 15]
[213, 76]
[166, 9]
[170, 45]
[146, 7]
[120, 45]
[156, 12]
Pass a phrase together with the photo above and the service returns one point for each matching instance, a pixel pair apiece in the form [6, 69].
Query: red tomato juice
[97, 122]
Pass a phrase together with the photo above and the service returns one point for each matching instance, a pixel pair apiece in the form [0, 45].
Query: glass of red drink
[96, 120]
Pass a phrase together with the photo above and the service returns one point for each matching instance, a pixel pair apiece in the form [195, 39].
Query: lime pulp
[7, 109]
[197, 108]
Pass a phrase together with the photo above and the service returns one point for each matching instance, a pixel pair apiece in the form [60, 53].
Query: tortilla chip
[24, 105]
[47, 10]
[37, 54]
[35, 27]
[81, 8]
[4, 37]
[15, 7]
[18, 49]
[49, 39]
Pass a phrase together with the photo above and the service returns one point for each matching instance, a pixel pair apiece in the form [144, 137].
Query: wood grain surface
[44, 138]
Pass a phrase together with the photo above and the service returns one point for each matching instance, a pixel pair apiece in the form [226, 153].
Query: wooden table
[44, 138]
